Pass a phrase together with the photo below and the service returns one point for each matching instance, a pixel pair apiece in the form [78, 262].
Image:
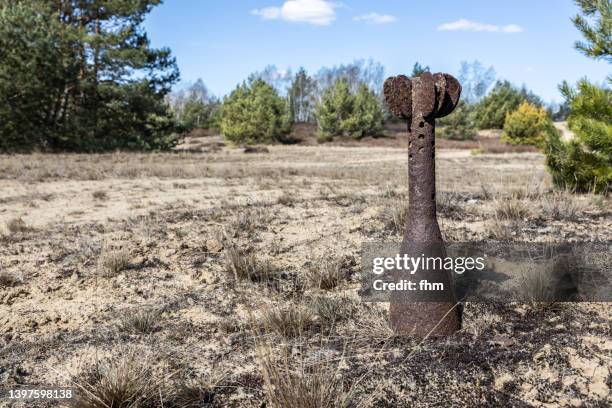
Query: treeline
[346, 100]
[81, 76]
[342, 100]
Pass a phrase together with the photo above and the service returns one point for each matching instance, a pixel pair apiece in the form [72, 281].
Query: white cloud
[375, 18]
[512, 28]
[268, 13]
[468, 25]
[316, 12]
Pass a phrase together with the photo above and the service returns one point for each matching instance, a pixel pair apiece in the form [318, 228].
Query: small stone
[502, 340]
[212, 245]
[138, 261]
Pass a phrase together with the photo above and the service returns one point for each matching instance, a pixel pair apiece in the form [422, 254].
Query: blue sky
[222, 41]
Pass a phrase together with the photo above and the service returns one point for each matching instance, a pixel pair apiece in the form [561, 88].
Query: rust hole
[421, 136]
[421, 124]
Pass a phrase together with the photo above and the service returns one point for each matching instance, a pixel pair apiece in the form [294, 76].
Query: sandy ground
[181, 227]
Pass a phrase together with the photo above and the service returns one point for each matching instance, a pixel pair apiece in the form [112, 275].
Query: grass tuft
[291, 321]
[126, 382]
[394, 217]
[510, 209]
[242, 266]
[140, 322]
[113, 261]
[293, 382]
[327, 274]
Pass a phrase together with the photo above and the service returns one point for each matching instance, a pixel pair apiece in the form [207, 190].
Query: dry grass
[242, 266]
[195, 393]
[248, 222]
[140, 322]
[503, 230]
[561, 207]
[536, 285]
[330, 311]
[291, 382]
[126, 382]
[394, 217]
[291, 321]
[480, 323]
[511, 209]
[113, 260]
[286, 199]
[450, 205]
[327, 273]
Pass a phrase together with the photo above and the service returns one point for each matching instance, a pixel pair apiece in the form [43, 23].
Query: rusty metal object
[420, 101]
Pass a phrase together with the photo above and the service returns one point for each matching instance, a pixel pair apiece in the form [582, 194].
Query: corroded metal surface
[419, 101]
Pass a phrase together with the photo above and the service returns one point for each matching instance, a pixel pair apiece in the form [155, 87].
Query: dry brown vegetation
[233, 278]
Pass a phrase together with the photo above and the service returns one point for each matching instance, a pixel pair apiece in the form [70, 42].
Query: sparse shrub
[140, 322]
[292, 320]
[126, 382]
[459, 125]
[255, 113]
[113, 260]
[528, 125]
[584, 163]
[243, 266]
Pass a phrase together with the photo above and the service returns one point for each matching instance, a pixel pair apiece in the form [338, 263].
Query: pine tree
[598, 36]
[503, 99]
[255, 113]
[302, 94]
[585, 162]
[109, 91]
[418, 69]
[32, 75]
[367, 116]
[335, 107]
